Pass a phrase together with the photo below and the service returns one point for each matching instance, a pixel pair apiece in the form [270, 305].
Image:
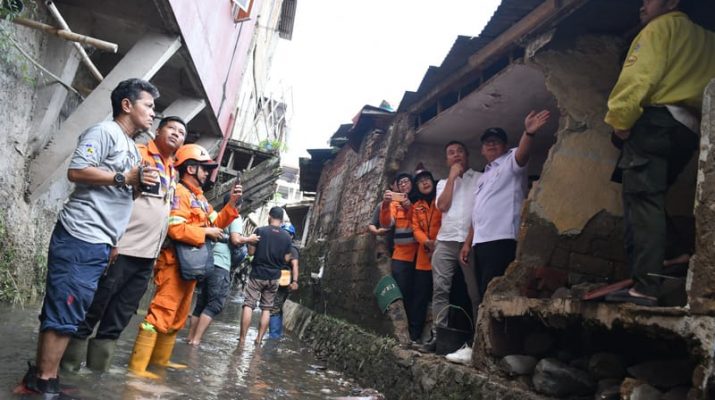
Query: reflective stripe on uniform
[403, 236]
[174, 220]
[213, 216]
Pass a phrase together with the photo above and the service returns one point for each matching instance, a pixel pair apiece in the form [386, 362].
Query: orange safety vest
[190, 213]
[426, 220]
[393, 214]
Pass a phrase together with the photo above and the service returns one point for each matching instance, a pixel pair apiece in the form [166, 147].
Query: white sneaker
[461, 356]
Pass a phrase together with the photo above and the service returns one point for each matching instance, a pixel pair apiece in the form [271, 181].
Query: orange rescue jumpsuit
[393, 214]
[426, 221]
[190, 213]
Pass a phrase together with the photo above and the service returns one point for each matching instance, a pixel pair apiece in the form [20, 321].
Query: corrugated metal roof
[311, 168]
[507, 14]
[340, 137]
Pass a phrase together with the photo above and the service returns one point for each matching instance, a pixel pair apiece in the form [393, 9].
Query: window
[241, 10]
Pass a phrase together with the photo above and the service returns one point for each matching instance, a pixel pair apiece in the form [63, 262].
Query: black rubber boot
[430, 346]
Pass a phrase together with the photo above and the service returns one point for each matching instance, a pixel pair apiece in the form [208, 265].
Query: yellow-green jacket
[669, 63]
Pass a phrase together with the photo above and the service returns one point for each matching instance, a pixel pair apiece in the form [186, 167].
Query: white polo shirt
[498, 198]
[455, 222]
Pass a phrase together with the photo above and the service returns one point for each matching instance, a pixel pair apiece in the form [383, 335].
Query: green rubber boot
[100, 353]
[74, 355]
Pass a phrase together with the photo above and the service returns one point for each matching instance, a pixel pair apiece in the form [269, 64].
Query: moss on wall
[22, 269]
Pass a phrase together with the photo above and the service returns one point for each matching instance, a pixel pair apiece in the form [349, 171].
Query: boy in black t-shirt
[269, 256]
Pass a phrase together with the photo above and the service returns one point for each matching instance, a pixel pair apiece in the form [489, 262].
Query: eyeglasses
[403, 181]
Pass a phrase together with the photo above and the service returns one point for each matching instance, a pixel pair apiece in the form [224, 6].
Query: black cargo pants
[655, 153]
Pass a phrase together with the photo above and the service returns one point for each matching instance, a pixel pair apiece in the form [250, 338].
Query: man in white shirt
[454, 199]
[498, 199]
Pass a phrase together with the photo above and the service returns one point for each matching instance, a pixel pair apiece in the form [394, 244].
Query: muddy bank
[379, 362]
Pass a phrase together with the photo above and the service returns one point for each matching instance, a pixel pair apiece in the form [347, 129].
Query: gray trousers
[445, 260]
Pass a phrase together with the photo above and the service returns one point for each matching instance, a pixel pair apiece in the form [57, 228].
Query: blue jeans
[73, 270]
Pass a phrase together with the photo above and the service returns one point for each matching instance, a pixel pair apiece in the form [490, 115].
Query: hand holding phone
[397, 196]
[149, 181]
[237, 192]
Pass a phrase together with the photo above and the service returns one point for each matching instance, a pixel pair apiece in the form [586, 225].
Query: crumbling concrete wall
[33, 106]
[701, 277]
[573, 218]
[572, 224]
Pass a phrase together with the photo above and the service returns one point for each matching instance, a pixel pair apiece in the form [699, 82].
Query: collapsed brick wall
[350, 187]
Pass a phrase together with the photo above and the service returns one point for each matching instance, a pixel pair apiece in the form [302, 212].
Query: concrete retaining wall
[34, 106]
[379, 362]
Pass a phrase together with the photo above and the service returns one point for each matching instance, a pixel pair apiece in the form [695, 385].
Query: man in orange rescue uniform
[192, 221]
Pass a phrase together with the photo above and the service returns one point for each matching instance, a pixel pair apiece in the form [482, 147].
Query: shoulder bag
[194, 262]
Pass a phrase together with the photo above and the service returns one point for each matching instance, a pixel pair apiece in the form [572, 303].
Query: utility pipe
[67, 35]
[83, 54]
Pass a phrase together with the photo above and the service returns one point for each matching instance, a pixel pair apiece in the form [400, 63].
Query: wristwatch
[119, 179]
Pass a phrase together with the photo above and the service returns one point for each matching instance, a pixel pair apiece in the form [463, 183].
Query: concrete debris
[515, 365]
[664, 374]
[645, 392]
[606, 366]
[678, 393]
[562, 293]
[628, 386]
[555, 378]
[608, 389]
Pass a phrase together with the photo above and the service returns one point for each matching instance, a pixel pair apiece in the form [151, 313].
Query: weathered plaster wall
[431, 156]
[572, 218]
[32, 107]
[701, 277]
[580, 74]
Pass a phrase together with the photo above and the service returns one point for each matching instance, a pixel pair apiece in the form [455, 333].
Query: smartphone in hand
[236, 183]
[397, 196]
[149, 190]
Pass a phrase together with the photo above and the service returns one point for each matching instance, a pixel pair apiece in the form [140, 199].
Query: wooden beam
[542, 15]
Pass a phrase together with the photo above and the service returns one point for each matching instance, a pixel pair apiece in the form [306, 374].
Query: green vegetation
[272, 145]
[9, 289]
[10, 55]
[13, 288]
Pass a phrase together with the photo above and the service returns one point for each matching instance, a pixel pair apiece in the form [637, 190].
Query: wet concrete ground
[218, 369]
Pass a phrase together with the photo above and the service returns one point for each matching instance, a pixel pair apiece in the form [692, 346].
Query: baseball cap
[494, 132]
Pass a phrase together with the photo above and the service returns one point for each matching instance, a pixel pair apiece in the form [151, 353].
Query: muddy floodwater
[218, 369]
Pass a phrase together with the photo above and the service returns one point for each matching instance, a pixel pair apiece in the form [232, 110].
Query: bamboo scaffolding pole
[67, 35]
[83, 54]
